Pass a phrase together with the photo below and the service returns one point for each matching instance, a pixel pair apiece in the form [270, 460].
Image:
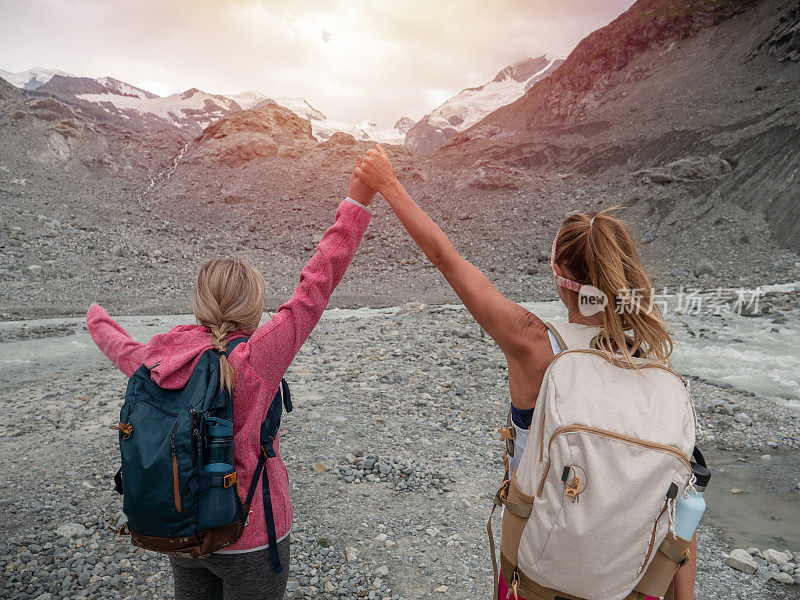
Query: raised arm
[125, 352]
[274, 345]
[504, 320]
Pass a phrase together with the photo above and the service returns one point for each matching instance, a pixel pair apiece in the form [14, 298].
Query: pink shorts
[503, 592]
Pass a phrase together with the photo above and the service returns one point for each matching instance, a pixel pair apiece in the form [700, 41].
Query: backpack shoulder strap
[269, 430]
[573, 335]
[231, 344]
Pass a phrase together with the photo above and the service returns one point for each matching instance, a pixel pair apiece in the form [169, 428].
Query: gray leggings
[246, 576]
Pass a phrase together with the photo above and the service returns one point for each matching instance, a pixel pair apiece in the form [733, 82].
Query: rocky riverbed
[392, 455]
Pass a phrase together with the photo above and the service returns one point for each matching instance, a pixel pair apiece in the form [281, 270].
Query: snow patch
[471, 105]
[32, 78]
[171, 108]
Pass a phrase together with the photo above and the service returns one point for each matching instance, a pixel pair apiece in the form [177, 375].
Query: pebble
[70, 530]
[401, 475]
[705, 266]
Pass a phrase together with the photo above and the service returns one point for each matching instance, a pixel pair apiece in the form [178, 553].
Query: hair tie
[592, 222]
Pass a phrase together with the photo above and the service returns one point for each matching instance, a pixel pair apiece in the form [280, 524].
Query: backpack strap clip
[125, 428]
[123, 529]
[507, 433]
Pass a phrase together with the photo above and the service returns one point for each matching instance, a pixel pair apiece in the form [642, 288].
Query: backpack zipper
[176, 488]
[196, 448]
[620, 363]
[653, 538]
[628, 439]
[605, 356]
[157, 407]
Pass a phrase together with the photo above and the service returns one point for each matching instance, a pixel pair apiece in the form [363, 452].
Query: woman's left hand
[376, 170]
[359, 191]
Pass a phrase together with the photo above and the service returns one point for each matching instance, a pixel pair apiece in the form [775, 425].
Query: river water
[747, 353]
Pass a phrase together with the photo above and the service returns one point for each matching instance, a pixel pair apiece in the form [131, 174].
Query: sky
[373, 59]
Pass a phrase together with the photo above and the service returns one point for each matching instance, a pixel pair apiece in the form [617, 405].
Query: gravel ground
[392, 455]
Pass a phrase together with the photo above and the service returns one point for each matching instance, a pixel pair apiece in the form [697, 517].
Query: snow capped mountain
[124, 89]
[299, 106]
[472, 104]
[32, 78]
[404, 124]
[323, 127]
[363, 131]
[191, 111]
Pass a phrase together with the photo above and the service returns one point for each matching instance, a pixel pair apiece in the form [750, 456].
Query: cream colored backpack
[587, 511]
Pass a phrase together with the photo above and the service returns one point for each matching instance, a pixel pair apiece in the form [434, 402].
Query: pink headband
[562, 281]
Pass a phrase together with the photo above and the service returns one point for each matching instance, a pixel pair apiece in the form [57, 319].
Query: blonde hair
[598, 250]
[228, 297]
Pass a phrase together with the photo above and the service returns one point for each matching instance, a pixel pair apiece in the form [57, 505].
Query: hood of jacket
[172, 356]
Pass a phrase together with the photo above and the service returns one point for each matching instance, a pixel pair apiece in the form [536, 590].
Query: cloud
[373, 59]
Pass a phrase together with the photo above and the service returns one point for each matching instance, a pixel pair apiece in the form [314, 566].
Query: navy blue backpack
[178, 477]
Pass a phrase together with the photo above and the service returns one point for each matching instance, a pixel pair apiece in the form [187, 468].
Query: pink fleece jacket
[258, 365]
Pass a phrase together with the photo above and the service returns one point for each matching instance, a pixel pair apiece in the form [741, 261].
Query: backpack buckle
[502, 493]
[229, 480]
[125, 428]
[507, 433]
[514, 586]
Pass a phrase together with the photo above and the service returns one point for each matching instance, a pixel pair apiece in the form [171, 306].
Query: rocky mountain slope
[695, 136]
[694, 99]
[472, 104]
[70, 86]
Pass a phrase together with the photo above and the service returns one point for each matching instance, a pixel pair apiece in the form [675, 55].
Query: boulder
[775, 557]
[740, 560]
[782, 577]
[251, 134]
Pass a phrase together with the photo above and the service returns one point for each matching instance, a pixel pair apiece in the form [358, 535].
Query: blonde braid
[219, 337]
[228, 297]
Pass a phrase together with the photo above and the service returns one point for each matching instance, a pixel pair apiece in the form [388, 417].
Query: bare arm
[683, 583]
[504, 320]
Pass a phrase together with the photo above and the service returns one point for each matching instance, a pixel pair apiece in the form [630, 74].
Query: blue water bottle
[217, 503]
[690, 508]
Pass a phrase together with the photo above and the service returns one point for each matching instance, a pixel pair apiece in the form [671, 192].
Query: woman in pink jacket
[228, 303]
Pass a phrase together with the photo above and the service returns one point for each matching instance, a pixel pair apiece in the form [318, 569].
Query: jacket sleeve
[274, 345]
[125, 352]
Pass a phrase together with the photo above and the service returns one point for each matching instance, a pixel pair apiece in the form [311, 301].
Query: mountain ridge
[190, 111]
[471, 104]
[666, 85]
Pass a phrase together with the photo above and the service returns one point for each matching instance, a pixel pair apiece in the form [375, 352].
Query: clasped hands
[371, 174]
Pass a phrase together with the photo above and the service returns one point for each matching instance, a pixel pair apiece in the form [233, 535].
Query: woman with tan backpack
[589, 499]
